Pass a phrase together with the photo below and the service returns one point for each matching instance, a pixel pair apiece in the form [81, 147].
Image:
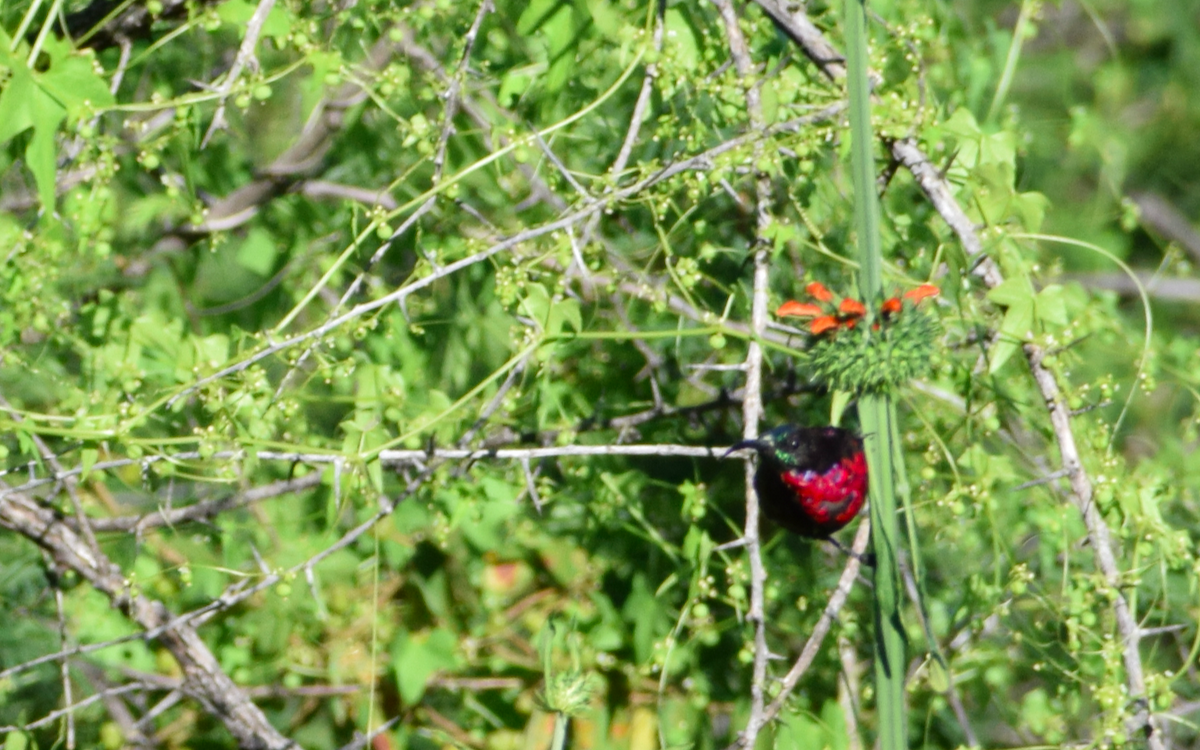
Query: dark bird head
[803, 448]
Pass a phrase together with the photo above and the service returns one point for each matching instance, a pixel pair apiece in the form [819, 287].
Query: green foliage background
[614, 318]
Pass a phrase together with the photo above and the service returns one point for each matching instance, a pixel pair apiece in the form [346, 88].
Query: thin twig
[848, 690]
[67, 478]
[700, 161]
[1159, 214]
[492, 406]
[439, 161]
[206, 508]
[365, 740]
[808, 653]
[940, 194]
[1159, 287]
[71, 708]
[245, 59]
[134, 737]
[387, 457]
[952, 696]
[642, 106]
[204, 678]
[752, 400]
[65, 669]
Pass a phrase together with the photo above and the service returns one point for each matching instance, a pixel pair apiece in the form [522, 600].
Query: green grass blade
[875, 411]
[862, 163]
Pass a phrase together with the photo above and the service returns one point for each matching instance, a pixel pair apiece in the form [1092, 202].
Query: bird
[812, 481]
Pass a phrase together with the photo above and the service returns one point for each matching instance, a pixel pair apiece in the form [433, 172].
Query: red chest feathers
[833, 497]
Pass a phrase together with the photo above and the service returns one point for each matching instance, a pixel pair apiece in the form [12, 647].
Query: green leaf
[514, 84]
[827, 732]
[211, 351]
[238, 13]
[41, 153]
[645, 612]
[42, 101]
[697, 545]
[561, 32]
[550, 313]
[411, 518]
[435, 593]
[998, 148]
[770, 102]
[16, 741]
[418, 656]
[258, 252]
[1014, 330]
[73, 82]
[837, 406]
[566, 312]
[375, 474]
[1030, 209]
[1017, 295]
[780, 232]
[939, 679]
[961, 124]
[607, 19]
[1013, 291]
[682, 39]
[483, 520]
[16, 104]
[1051, 306]
[536, 303]
[87, 459]
[534, 15]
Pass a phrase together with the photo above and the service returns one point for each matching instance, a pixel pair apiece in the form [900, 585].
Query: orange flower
[852, 307]
[817, 291]
[921, 292]
[822, 324]
[792, 308]
[891, 306]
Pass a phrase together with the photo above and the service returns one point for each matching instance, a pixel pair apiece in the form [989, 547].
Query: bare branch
[1163, 217]
[941, 195]
[1159, 287]
[699, 161]
[848, 690]
[245, 59]
[366, 196]
[69, 710]
[207, 508]
[203, 678]
[752, 400]
[809, 652]
[642, 106]
[300, 158]
[793, 21]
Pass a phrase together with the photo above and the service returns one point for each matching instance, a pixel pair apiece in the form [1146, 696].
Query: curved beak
[755, 443]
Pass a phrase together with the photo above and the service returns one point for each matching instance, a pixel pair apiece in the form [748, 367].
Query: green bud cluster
[864, 359]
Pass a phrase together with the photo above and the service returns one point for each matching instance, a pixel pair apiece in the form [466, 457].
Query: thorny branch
[245, 59]
[908, 154]
[1099, 535]
[70, 541]
[453, 96]
[699, 161]
[66, 539]
[752, 402]
[204, 680]
[813, 645]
